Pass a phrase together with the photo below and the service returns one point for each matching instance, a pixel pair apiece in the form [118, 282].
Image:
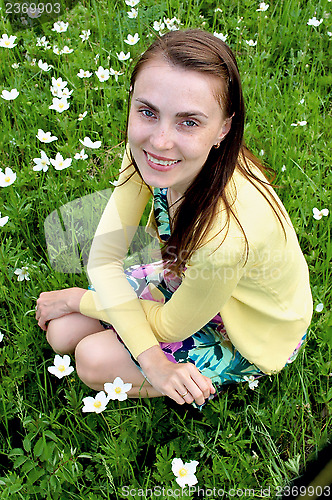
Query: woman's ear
[225, 129]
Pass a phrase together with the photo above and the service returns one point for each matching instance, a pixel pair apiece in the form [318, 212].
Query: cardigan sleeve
[114, 300]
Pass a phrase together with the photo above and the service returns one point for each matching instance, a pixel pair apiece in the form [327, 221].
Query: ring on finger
[184, 395]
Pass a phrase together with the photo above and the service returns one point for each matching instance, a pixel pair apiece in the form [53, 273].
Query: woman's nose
[162, 137]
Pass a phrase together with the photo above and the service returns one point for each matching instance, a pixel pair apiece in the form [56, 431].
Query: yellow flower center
[97, 404]
[61, 105]
[7, 179]
[7, 43]
[61, 368]
[60, 163]
[117, 390]
[183, 472]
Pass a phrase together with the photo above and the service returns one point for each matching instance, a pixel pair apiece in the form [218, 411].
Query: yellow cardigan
[265, 303]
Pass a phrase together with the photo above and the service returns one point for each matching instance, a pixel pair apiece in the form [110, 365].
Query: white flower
[81, 116]
[252, 382]
[132, 40]
[132, 3]
[9, 95]
[301, 102]
[329, 33]
[89, 144]
[172, 24]
[8, 41]
[262, 7]
[3, 221]
[60, 26]
[34, 13]
[1, 337]
[66, 50]
[22, 274]
[158, 25]
[115, 73]
[301, 123]
[221, 36]
[58, 83]
[185, 473]
[319, 307]
[59, 105]
[132, 14]
[59, 163]
[318, 214]
[102, 74]
[7, 178]
[41, 163]
[118, 389]
[84, 74]
[45, 136]
[66, 93]
[251, 43]
[61, 366]
[56, 92]
[15, 65]
[85, 35]
[42, 42]
[314, 22]
[122, 56]
[96, 404]
[56, 50]
[81, 155]
[283, 168]
[217, 9]
[44, 66]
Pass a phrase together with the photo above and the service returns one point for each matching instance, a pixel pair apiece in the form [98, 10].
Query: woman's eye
[147, 113]
[190, 123]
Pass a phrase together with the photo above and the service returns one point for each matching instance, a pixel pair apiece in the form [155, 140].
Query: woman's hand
[51, 305]
[182, 382]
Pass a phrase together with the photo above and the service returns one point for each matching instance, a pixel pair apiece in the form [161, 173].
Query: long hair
[197, 50]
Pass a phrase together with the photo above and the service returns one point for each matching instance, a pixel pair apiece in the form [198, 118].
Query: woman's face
[174, 121]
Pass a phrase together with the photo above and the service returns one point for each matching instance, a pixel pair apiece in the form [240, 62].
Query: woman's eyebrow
[182, 114]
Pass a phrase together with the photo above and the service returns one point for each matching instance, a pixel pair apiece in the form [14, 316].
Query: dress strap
[161, 214]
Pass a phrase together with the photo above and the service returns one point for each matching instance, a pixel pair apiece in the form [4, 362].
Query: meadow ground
[248, 442]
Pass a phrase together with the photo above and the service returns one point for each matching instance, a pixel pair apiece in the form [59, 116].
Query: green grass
[246, 439]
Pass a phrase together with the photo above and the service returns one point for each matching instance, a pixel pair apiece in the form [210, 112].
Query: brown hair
[198, 50]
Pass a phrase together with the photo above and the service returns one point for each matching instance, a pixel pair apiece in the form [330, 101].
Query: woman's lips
[160, 163]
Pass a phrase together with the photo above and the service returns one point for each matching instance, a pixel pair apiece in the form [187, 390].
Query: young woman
[230, 298]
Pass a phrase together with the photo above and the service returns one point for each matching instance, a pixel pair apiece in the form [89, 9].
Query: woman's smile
[159, 163]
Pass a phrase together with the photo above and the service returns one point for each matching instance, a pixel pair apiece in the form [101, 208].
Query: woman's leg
[64, 333]
[101, 358]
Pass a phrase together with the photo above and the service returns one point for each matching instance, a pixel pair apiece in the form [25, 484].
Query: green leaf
[27, 444]
[51, 435]
[19, 461]
[15, 451]
[35, 474]
[39, 447]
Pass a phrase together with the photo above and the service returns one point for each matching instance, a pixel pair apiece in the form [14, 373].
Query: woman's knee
[64, 333]
[95, 359]
[57, 336]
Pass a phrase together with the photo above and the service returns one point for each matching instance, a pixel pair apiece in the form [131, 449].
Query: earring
[216, 146]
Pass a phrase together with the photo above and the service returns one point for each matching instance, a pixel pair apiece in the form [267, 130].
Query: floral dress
[209, 348]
